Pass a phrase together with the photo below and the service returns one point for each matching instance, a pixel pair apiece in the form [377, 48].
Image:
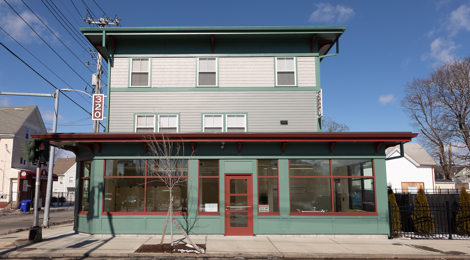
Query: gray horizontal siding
[306, 71]
[246, 72]
[120, 73]
[174, 72]
[265, 108]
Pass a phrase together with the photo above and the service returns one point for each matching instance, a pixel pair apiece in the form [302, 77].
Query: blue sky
[386, 44]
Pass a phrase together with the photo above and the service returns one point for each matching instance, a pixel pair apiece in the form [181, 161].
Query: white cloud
[386, 99]
[18, 29]
[441, 50]
[329, 14]
[4, 102]
[49, 116]
[459, 19]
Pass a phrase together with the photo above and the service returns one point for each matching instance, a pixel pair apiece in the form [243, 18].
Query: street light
[70, 90]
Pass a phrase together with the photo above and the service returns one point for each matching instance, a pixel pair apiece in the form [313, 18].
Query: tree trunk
[187, 236]
[171, 216]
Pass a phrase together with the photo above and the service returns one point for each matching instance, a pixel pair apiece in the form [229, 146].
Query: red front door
[238, 205]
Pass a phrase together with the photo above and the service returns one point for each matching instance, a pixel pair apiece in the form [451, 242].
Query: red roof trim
[233, 137]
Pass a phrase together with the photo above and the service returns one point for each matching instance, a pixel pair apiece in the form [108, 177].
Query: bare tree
[170, 166]
[422, 105]
[331, 126]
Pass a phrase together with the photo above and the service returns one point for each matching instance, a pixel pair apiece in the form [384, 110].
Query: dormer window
[285, 72]
[140, 72]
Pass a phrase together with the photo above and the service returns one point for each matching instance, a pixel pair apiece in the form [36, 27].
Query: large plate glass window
[168, 123]
[285, 71]
[213, 123]
[236, 123]
[336, 186]
[140, 73]
[207, 75]
[268, 187]
[85, 174]
[144, 123]
[208, 187]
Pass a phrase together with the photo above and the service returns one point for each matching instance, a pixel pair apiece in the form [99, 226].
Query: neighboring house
[463, 175]
[16, 124]
[65, 168]
[413, 171]
[247, 104]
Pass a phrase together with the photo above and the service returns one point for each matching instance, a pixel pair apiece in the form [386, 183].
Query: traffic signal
[30, 154]
[35, 150]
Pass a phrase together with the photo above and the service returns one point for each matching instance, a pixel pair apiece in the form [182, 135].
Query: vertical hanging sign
[98, 105]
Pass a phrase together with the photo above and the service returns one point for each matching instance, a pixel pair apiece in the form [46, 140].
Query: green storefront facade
[240, 158]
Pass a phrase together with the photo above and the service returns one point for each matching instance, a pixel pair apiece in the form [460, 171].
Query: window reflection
[350, 167]
[158, 196]
[125, 167]
[124, 195]
[310, 195]
[354, 195]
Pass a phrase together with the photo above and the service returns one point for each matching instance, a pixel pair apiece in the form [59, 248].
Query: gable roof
[63, 165]
[12, 118]
[416, 152]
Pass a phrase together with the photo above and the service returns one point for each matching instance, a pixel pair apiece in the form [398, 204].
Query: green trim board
[303, 54]
[108, 96]
[226, 29]
[146, 89]
[224, 119]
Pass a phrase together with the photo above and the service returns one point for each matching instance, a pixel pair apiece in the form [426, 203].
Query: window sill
[275, 214]
[333, 214]
[140, 86]
[208, 213]
[286, 86]
[142, 213]
[83, 213]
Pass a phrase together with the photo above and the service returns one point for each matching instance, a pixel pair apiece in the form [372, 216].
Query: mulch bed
[167, 248]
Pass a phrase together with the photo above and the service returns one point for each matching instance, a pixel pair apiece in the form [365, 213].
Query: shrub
[422, 220]
[396, 219]
[463, 215]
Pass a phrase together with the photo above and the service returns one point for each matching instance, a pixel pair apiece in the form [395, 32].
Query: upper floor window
[207, 72]
[285, 71]
[27, 133]
[22, 161]
[140, 73]
[144, 123]
[236, 123]
[168, 123]
[71, 179]
[213, 123]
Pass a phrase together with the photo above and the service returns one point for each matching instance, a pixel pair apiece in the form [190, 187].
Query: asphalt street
[25, 220]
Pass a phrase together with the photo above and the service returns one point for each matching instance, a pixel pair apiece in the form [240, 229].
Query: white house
[65, 168]
[413, 171]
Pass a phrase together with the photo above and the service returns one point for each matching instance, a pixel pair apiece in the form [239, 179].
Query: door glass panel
[238, 201]
[238, 186]
[238, 219]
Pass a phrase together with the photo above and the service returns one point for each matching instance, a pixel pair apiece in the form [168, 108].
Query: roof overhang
[108, 38]
[91, 140]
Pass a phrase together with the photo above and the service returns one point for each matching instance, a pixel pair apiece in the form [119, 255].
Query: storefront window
[85, 186]
[209, 186]
[314, 182]
[141, 186]
[268, 193]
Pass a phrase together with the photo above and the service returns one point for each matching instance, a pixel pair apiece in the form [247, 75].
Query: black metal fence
[63, 198]
[444, 221]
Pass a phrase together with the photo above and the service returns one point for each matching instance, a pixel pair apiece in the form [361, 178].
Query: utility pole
[102, 22]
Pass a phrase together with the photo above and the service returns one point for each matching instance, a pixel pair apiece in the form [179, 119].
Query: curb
[214, 256]
[28, 228]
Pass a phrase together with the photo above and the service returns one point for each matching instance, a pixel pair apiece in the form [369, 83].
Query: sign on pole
[98, 104]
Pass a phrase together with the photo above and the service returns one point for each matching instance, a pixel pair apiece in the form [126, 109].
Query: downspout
[402, 154]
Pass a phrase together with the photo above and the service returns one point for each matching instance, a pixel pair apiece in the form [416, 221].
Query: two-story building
[246, 104]
[17, 124]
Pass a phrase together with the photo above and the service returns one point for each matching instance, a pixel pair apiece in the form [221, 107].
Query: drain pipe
[402, 154]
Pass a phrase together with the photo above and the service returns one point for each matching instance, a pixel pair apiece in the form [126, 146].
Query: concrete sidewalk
[63, 242]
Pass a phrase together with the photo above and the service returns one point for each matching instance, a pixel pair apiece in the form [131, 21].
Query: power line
[99, 7]
[43, 64]
[89, 11]
[45, 78]
[70, 12]
[47, 44]
[55, 35]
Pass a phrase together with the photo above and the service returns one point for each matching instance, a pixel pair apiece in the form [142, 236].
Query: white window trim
[216, 72]
[135, 121]
[149, 71]
[226, 120]
[295, 72]
[204, 124]
[177, 121]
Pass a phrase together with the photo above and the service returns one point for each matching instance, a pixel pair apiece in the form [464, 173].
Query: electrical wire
[43, 64]
[47, 81]
[81, 62]
[70, 13]
[89, 11]
[99, 7]
[47, 44]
